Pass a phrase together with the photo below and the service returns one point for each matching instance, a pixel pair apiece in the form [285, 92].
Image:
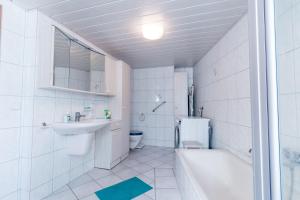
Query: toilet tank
[194, 129]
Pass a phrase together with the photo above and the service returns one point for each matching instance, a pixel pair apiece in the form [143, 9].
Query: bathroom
[173, 99]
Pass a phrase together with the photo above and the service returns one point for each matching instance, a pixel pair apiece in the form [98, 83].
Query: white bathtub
[213, 175]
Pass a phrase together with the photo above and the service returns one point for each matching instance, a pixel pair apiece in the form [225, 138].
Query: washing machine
[192, 132]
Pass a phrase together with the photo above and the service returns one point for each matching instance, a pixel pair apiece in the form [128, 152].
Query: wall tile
[297, 71]
[62, 163]
[44, 108]
[12, 196]
[9, 144]
[13, 18]
[25, 174]
[284, 39]
[22, 110]
[42, 170]
[10, 110]
[41, 191]
[286, 75]
[287, 114]
[10, 79]
[296, 29]
[30, 52]
[9, 177]
[12, 45]
[147, 84]
[27, 111]
[222, 85]
[42, 141]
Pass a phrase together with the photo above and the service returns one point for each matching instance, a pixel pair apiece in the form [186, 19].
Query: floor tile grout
[70, 188]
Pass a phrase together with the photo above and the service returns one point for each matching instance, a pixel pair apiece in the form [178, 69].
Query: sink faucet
[78, 116]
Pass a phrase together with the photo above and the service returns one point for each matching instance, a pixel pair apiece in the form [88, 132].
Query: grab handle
[162, 103]
[177, 137]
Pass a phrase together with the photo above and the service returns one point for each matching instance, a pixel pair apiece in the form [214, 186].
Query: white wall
[189, 71]
[222, 84]
[11, 74]
[33, 162]
[288, 68]
[158, 127]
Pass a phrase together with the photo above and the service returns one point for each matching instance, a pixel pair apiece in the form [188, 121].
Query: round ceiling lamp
[153, 31]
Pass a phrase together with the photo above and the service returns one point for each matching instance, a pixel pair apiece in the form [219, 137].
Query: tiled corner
[222, 82]
[158, 126]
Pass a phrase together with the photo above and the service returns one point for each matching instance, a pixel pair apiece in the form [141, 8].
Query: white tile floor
[153, 165]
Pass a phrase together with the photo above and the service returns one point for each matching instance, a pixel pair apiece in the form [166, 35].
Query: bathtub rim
[188, 171]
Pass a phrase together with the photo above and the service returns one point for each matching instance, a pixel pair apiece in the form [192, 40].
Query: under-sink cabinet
[108, 147]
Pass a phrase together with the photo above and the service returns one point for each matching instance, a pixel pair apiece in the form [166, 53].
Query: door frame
[264, 106]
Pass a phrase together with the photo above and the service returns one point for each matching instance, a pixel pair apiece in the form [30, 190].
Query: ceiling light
[153, 31]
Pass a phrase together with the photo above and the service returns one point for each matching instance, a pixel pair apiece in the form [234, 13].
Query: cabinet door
[116, 144]
[126, 122]
[125, 129]
[45, 55]
[110, 75]
[126, 85]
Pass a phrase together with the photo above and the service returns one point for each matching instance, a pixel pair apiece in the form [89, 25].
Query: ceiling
[192, 27]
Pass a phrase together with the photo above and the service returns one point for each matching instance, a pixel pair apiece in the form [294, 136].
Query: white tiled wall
[288, 68]
[222, 84]
[11, 70]
[33, 162]
[147, 83]
[189, 71]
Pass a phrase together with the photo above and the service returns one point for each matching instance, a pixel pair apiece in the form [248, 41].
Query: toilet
[135, 139]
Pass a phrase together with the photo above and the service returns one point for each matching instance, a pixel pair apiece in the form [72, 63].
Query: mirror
[76, 66]
[61, 60]
[79, 67]
[97, 73]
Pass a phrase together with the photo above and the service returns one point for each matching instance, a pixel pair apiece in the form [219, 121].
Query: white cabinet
[120, 103]
[112, 143]
[116, 144]
[126, 108]
[108, 151]
[110, 75]
[59, 78]
[45, 47]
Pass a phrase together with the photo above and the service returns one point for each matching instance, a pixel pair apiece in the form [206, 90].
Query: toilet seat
[135, 139]
[134, 133]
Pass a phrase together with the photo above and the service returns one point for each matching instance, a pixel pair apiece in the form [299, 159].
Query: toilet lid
[135, 132]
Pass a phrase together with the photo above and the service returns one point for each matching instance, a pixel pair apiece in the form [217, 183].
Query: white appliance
[181, 93]
[192, 132]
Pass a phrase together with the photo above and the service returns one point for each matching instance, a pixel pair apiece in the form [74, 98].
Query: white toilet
[135, 139]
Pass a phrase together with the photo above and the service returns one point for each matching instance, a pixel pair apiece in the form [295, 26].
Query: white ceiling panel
[192, 27]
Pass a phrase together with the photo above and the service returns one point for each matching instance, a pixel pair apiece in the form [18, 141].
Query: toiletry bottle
[107, 114]
[67, 118]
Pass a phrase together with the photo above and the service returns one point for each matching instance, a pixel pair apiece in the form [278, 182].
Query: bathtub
[212, 175]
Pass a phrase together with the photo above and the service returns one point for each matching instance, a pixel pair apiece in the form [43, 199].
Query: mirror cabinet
[72, 63]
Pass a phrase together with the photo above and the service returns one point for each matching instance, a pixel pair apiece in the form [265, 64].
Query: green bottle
[107, 114]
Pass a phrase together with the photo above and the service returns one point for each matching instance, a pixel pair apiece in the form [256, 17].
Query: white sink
[79, 135]
[82, 127]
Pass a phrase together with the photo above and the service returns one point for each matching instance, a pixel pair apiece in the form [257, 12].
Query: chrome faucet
[78, 116]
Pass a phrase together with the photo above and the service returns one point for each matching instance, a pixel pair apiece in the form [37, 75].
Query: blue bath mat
[125, 190]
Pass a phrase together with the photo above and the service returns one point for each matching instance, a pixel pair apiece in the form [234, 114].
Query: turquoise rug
[125, 190]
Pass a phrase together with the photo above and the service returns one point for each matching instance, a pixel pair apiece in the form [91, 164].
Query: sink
[82, 127]
[79, 135]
